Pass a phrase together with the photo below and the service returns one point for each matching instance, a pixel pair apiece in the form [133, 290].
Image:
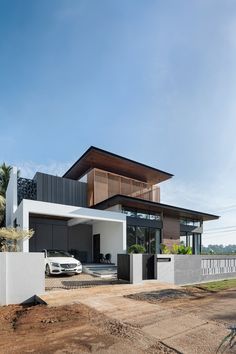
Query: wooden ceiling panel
[107, 161]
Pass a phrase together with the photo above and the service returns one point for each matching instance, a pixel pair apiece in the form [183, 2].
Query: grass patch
[218, 285]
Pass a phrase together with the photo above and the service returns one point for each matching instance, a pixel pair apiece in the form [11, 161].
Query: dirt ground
[69, 329]
[121, 318]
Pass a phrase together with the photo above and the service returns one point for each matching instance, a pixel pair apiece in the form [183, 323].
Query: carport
[83, 230]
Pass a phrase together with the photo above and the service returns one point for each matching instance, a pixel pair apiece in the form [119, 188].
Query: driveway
[191, 326]
[83, 280]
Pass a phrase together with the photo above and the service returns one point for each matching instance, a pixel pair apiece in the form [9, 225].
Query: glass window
[148, 237]
[190, 222]
[130, 212]
[141, 235]
[142, 215]
[197, 243]
[131, 236]
[154, 240]
[183, 240]
[155, 217]
[197, 223]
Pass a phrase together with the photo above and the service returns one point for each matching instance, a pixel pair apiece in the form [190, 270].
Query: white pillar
[23, 223]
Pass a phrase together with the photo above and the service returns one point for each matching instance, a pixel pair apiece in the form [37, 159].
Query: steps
[101, 270]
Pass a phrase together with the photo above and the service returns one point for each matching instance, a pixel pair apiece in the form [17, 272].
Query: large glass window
[131, 236]
[190, 222]
[197, 241]
[141, 214]
[141, 236]
[148, 237]
[193, 241]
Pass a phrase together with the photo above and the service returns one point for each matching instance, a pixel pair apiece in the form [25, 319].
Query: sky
[151, 80]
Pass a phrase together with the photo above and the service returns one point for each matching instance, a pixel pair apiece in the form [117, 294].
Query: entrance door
[96, 248]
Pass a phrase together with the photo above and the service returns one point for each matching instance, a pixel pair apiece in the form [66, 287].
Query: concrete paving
[189, 326]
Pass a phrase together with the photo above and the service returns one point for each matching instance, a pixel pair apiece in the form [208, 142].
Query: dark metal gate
[123, 269]
[148, 266]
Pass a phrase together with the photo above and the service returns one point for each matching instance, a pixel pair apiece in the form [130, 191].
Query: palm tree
[2, 209]
[4, 178]
[5, 172]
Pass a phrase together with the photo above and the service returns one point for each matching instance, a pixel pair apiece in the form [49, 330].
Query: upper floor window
[141, 214]
[190, 222]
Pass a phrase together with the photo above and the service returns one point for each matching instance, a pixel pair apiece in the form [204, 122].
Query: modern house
[103, 204]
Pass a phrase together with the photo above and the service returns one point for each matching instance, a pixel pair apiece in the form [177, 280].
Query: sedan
[61, 262]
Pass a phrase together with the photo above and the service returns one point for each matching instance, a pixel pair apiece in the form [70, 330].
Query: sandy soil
[70, 329]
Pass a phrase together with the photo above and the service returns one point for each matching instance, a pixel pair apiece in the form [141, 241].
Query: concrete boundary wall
[21, 277]
[190, 269]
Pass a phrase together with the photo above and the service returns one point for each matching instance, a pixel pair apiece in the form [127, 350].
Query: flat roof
[107, 161]
[142, 204]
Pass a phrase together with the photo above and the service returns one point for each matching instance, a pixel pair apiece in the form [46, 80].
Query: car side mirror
[72, 256]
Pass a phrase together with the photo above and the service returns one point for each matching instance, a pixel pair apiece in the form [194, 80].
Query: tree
[5, 172]
[2, 209]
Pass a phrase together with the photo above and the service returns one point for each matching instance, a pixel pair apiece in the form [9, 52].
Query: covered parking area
[74, 229]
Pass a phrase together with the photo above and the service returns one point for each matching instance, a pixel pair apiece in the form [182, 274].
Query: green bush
[176, 249]
[184, 250]
[136, 249]
[165, 249]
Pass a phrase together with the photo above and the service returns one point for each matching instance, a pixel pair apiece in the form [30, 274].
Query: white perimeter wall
[21, 277]
[112, 237]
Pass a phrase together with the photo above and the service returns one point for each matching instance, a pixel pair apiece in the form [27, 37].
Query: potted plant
[136, 249]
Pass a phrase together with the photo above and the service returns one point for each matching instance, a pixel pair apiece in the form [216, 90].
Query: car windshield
[55, 253]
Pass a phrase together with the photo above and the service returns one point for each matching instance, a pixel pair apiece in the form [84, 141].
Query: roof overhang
[168, 210]
[105, 160]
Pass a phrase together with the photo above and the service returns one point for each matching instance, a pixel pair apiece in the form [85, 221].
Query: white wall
[3, 274]
[112, 237]
[21, 277]
[11, 197]
[116, 207]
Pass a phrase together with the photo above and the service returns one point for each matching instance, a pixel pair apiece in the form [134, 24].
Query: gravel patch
[162, 295]
[77, 281]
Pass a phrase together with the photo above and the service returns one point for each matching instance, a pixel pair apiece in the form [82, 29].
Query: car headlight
[78, 264]
[55, 264]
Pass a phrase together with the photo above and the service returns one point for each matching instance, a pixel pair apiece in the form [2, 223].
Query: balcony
[151, 194]
[103, 185]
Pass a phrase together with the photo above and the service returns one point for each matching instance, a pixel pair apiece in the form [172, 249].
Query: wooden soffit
[107, 161]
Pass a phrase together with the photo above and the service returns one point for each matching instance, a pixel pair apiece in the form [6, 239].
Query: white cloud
[29, 168]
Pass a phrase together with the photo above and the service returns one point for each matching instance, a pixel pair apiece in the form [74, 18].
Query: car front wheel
[47, 271]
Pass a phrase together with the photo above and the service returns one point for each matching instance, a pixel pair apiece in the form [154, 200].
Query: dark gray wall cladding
[26, 189]
[60, 190]
[55, 234]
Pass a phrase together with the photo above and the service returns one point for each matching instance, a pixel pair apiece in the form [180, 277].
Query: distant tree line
[219, 249]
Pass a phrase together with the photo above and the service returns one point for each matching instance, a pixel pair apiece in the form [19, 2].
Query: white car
[61, 262]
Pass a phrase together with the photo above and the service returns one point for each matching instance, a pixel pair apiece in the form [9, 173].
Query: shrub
[165, 249]
[136, 249]
[184, 250]
[11, 236]
[176, 249]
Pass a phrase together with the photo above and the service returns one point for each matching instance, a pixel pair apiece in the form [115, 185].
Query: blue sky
[152, 80]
